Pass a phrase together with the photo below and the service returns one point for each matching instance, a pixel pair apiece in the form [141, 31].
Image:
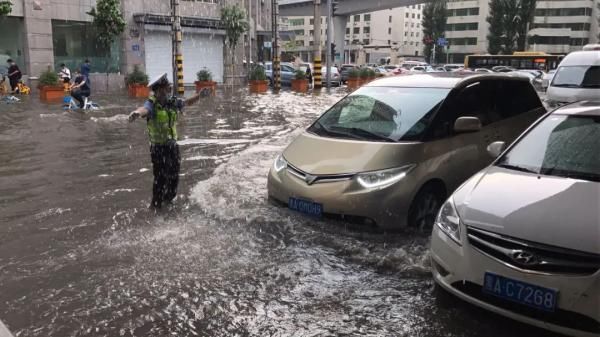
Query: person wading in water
[161, 111]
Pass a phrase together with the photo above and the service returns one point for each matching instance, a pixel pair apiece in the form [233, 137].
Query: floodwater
[82, 255]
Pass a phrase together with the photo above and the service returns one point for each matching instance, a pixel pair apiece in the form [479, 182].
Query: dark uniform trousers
[165, 165]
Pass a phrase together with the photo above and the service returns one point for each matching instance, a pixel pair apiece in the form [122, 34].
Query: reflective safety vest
[162, 125]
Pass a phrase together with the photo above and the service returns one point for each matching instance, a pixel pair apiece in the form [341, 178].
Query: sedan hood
[555, 211]
[319, 155]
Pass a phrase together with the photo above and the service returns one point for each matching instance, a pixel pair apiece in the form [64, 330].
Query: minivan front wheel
[425, 207]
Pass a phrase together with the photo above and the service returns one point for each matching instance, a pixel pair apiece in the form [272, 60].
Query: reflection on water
[81, 254]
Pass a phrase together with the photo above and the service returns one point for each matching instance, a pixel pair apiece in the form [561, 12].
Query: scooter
[69, 103]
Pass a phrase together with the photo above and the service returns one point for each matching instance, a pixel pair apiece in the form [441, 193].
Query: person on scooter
[80, 89]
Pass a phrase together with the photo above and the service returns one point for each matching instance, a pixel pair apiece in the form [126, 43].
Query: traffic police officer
[161, 111]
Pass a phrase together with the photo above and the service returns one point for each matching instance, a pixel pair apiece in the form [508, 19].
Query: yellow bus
[518, 60]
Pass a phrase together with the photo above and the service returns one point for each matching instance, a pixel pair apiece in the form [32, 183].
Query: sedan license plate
[524, 293]
[306, 207]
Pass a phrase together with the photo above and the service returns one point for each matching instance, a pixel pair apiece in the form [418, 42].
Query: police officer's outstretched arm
[139, 112]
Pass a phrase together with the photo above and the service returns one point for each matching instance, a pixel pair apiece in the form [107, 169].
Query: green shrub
[204, 75]
[354, 73]
[49, 78]
[257, 73]
[371, 72]
[300, 75]
[136, 77]
[364, 72]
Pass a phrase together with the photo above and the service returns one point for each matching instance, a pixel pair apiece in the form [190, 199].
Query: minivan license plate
[524, 293]
[306, 207]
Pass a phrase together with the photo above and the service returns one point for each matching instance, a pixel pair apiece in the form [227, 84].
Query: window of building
[296, 22]
[412, 25]
[407, 14]
[299, 32]
[366, 30]
[413, 15]
[357, 18]
[463, 12]
[417, 35]
[367, 17]
[312, 32]
[390, 19]
[312, 22]
[347, 30]
[418, 16]
[405, 33]
[418, 25]
[311, 43]
[412, 34]
[356, 30]
[300, 43]
[406, 24]
[366, 41]
[462, 26]
[389, 30]
[75, 41]
[581, 11]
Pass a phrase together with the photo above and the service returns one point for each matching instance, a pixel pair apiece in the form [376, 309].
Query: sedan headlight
[280, 163]
[449, 221]
[383, 178]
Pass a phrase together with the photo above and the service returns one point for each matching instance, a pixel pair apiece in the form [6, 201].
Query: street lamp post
[328, 46]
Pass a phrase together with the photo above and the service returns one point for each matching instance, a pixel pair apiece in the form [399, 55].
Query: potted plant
[300, 82]
[353, 79]
[258, 80]
[50, 87]
[204, 77]
[137, 83]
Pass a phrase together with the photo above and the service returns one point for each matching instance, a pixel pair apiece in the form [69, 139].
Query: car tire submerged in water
[425, 206]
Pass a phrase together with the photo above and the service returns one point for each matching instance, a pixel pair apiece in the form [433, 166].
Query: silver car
[389, 153]
[287, 73]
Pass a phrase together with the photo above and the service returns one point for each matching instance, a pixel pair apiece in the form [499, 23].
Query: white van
[577, 78]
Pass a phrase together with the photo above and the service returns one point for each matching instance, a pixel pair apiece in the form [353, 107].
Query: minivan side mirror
[467, 124]
[496, 148]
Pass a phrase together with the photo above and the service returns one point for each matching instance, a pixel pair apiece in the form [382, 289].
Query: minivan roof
[439, 80]
[582, 58]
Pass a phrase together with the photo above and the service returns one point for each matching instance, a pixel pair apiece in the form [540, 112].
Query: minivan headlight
[383, 178]
[280, 163]
[449, 221]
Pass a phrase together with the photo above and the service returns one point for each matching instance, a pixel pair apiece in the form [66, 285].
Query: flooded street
[82, 255]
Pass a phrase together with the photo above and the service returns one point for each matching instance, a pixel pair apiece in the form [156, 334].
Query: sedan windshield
[381, 114]
[577, 77]
[565, 146]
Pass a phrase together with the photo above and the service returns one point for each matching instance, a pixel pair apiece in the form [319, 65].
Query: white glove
[133, 116]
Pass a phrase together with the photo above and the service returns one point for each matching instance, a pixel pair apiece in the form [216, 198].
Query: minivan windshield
[389, 114]
[577, 77]
[564, 146]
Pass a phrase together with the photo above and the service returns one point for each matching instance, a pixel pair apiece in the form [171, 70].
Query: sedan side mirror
[467, 124]
[496, 148]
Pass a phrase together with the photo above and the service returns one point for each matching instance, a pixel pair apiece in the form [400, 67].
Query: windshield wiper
[553, 171]
[516, 168]
[588, 86]
[338, 132]
[366, 133]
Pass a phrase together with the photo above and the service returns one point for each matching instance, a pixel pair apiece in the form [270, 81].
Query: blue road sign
[441, 41]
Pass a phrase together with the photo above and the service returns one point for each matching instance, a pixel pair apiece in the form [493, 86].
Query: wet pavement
[82, 255]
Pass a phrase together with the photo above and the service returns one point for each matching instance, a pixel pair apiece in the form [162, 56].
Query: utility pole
[328, 45]
[178, 89]
[317, 45]
[275, 46]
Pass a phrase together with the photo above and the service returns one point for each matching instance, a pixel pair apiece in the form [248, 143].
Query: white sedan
[522, 237]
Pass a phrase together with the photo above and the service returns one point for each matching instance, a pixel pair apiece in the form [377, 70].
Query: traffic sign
[441, 41]
[267, 44]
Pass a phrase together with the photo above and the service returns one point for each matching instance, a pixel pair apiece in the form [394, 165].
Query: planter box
[212, 85]
[353, 83]
[300, 85]
[138, 90]
[52, 92]
[257, 86]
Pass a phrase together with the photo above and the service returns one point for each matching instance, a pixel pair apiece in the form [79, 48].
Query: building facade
[368, 38]
[559, 27]
[45, 33]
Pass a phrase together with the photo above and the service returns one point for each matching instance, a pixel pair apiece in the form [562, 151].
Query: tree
[496, 30]
[108, 21]
[434, 26]
[234, 21]
[509, 24]
[5, 8]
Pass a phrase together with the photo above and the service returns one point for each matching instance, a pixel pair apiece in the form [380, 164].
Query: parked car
[425, 69]
[534, 76]
[390, 152]
[483, 70]
[503, 69]
[520, 238]
[453, 67]
[345, 71]
[410, 64]
[287, 72]
[336, 78]
[547, 78]
[577, 78]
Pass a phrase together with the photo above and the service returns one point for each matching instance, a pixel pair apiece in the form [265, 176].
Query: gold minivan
[391, 152]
